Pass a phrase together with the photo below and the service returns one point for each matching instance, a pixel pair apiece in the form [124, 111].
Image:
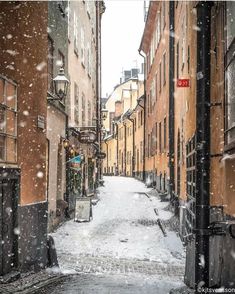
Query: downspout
[98, 112]
[171, 99]
[67, 171]
[125, 149]
[133, 145]
[144, 108]
[203, 146]
[117, 138]
[107, 155]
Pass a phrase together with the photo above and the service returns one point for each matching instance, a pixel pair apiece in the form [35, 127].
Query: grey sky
[122, 28]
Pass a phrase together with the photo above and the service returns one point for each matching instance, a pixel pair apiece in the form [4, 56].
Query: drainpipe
[171, 98]
[107, 155]
[144, 108]
[125, 148]
[203, 145]
[98, 110]
[117, 138]
[67, 171]
[133, 144]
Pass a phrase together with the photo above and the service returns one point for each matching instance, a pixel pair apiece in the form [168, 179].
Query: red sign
[183, 83]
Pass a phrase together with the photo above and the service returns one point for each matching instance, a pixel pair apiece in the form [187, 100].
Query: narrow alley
[122, 248]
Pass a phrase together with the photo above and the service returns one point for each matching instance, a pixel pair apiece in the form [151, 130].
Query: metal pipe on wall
[203, 145]
[171, 97]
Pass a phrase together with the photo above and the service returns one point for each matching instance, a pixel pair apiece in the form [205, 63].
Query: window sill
[230, 148]
[76, 52]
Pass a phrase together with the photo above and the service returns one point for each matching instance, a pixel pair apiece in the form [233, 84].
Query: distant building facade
[123, 143]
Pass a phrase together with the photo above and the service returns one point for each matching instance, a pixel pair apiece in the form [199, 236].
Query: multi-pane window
[76, 104]
[177, 60]
[160, 137]
[230, 73]
[160, 77]
[156, 130]
[83, 110]
[69, 19]
[89, 61]
[82, 46]
[163, 14]
[158, 30]
[156, 86]
[164, 68]
[188, 61]
[149, 143]
[61, 59]
[75, 32]
[89, 113]
[50, 65]
[141, 151]
[164, 143]
[8, 121]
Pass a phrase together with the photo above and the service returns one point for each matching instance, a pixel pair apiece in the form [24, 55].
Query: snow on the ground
[121, 227]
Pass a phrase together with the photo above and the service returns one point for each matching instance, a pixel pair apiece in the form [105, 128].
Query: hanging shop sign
[183, 83]
[87, 137]
[75, 163]
[101, 155]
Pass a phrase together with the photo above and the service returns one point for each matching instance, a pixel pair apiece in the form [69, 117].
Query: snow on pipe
[159, 222]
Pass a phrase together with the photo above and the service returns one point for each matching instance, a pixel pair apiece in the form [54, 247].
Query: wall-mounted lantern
[65, 143]
[104, 114]
[61, 84]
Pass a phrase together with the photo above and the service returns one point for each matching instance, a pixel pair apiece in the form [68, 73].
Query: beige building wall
[57, 170]
[82, 62]
[109, 147]
[127, 93]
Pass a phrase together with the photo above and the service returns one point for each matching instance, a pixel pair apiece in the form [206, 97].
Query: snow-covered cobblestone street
[123, 238]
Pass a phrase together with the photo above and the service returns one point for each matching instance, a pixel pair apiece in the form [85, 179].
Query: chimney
[118, 108]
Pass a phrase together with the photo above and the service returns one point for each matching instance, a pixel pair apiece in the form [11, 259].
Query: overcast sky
[122, 29]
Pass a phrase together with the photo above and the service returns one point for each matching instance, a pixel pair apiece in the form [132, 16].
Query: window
[69, 19]
[177, 60]
[75, 32]
[163, 14]
[83, 110]
[160, 137]
[230, 74]
[156, 135]
[188, 59]
[61, 61]
[164, 134]
[141, 151]
[160, 77]
[183, 45]
[164, 69]
[89, 113]
[76, 104]
[89, 61]
[156, 85]
[82, 46]
[50, 58]
[8, 121]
